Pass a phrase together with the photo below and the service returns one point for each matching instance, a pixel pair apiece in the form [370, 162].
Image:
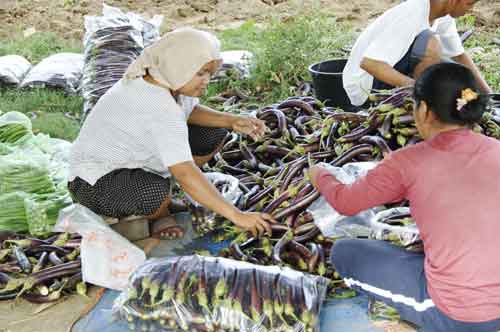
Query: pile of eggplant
[196, 293]
[272, 171]
[40, 271]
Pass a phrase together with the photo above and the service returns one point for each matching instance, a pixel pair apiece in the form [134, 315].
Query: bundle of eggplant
[272, 171]
[196, 293]
[108, 53]
[40, 271]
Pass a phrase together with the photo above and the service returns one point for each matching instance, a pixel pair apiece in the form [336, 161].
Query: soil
[22, 316]
[65, 17]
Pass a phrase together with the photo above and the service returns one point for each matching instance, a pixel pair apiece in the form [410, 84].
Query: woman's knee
[433, 50]
[342, 253]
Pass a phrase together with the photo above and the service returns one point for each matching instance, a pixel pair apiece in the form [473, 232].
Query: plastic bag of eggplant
[196, 293]
[13, 68]
[62, 70]
[112, 42]
[205, 220]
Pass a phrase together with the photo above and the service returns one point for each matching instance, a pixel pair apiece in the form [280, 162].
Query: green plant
[466, 22]
[290, 47]
[245, 37]
[486, 55]
[283, 52]
[69, 3]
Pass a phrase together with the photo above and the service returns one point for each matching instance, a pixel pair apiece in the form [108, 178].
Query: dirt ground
[22, 316]
[65, 17]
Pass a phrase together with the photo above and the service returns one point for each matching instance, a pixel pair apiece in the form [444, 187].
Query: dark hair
[441, 85]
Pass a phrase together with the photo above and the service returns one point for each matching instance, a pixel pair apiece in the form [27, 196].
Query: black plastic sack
[62, 70]
[112, 42]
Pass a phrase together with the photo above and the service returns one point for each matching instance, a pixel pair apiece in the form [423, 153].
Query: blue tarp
[346, 315]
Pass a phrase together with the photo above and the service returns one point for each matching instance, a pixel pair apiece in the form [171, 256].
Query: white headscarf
[176, 57]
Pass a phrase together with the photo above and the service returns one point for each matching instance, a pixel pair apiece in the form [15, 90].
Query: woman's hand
[254, 222]
[193, 182]
[255, 128]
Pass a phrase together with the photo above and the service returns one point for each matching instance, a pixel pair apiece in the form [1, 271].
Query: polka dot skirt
[126, 192]
[204, 140]
[122, 193]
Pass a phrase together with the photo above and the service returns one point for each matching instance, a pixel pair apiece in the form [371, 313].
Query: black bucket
[327, 82]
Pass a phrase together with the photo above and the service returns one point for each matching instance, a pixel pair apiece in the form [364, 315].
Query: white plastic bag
[205, 220]
[108, 259]
[329, 221]
[368, 223]
[13, 68]
[115, 17]
[63, 70]
[404, 234]
[150, 29]
[227, 185]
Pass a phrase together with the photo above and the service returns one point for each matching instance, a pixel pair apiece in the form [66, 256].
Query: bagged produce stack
[111, 43]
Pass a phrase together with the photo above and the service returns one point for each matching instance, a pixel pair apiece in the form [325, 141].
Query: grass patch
[486, 55]
[39, 46]
[53, 112]
[56, 125]
[245, 37]
[285, 49]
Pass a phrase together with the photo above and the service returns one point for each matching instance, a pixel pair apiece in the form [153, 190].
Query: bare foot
[166, 228]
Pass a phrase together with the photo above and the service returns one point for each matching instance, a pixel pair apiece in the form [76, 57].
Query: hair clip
[467, 96]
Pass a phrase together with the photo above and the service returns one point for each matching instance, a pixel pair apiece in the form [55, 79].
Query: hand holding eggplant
[255, 128]
[256, 223]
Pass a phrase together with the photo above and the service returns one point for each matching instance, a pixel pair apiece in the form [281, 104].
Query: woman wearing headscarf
[149, 128]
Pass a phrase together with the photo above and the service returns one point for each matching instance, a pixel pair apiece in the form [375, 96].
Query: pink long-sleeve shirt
[453, 184]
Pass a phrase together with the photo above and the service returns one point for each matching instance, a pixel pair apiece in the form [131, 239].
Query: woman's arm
[385, 73]
[466, 60]
[381, 185]
[192, 181]
[207, 117]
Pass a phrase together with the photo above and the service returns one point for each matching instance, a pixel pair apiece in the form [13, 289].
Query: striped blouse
[134, 125]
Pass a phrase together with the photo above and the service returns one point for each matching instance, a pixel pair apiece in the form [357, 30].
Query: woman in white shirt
[149, 127]
[399, 45]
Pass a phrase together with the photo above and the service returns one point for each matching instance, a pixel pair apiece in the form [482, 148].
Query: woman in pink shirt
[452, 181]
